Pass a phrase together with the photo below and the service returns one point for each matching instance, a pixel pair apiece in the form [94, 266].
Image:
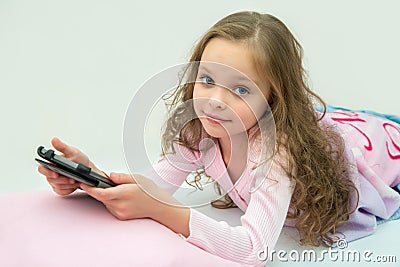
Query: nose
[218, 98]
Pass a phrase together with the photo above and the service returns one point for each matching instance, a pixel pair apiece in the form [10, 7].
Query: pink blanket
[40, 229]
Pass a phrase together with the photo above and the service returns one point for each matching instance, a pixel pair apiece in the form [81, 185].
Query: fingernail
[116, 175]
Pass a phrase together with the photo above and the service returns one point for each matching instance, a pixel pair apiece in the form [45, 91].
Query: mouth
[214, 119]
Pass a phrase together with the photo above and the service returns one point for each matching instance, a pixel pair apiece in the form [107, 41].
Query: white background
[70, 68]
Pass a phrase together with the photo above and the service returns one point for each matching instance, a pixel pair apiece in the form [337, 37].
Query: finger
[101, 194]
[122, 178]
[63, 186]
[123, 191]
[62, 147]
[61, 180]
[47, 172]
[64, 192]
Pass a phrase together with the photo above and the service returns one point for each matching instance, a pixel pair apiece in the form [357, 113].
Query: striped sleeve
[260, 225]
[172, 169]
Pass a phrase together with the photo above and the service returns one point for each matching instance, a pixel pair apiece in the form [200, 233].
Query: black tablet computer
[78, 172]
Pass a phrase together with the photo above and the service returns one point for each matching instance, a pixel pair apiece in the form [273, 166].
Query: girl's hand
[63, 185]
[133, 198]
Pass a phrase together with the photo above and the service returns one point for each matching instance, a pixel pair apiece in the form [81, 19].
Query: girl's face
[229, 96]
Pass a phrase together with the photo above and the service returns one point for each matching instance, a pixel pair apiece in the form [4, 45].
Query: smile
[214, 119]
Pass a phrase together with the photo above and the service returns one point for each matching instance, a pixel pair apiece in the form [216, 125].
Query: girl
[331, 172]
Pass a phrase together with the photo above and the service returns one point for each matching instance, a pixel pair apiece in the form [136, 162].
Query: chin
[216, 132]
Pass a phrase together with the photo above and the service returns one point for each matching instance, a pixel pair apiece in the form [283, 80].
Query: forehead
[234, 54]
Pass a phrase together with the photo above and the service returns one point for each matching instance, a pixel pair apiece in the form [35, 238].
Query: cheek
[197, 91]
[197, 103]
[245, 114]
[257, 107]
[260, 110]
[248, 115]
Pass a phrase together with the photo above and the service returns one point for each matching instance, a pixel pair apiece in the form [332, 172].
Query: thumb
[122, 178]
[62, 147]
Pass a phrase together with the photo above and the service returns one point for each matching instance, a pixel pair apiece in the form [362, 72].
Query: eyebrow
[242, 77]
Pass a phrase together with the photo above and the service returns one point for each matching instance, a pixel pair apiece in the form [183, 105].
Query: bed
[38, 228]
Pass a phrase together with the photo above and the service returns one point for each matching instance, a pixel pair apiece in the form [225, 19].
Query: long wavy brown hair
[321, 199]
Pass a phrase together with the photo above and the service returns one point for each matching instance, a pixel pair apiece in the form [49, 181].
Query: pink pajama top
[372, 146]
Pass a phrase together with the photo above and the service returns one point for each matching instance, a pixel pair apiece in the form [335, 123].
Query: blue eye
[241, 90]
[207, 80]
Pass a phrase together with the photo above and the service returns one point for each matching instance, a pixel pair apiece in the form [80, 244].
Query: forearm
[175, 218]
